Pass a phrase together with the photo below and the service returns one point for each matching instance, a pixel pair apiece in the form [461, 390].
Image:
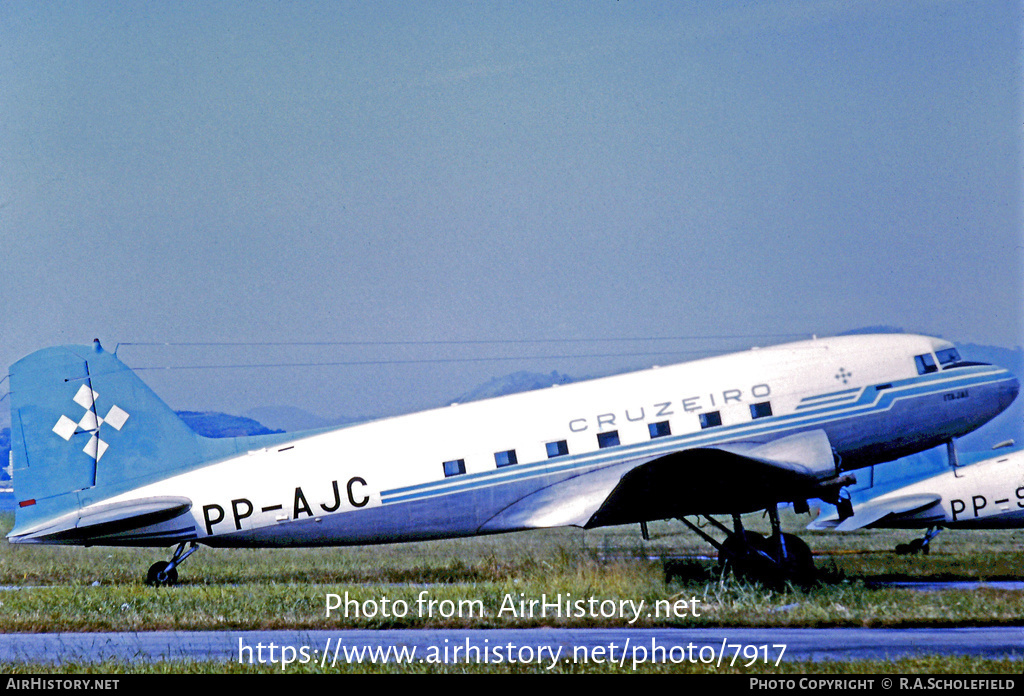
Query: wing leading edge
[889, 511]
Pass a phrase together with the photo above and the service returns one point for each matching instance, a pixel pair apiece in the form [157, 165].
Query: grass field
[56, 588]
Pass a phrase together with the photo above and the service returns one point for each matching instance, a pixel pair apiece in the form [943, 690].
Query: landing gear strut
[165, 573]
[772, 560]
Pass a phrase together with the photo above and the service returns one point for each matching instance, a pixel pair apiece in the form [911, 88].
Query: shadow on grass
[700, 571]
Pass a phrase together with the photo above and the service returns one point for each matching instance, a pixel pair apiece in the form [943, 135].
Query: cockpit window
[925, 364]
[949, 356]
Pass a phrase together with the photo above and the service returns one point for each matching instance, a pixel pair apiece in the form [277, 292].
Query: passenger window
[455, 467]
[661, 429]
[710, 419]
[506, 458]
[925, 364]
[761, 410]
[610, 439]
[557, 449]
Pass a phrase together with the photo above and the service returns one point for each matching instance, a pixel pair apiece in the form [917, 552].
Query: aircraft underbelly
[1002, 520]
[458, 513]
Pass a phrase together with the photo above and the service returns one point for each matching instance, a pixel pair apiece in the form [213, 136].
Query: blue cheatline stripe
[870, 401]
[830, 394]
[824, 402]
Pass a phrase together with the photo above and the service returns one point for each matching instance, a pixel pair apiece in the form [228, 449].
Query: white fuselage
[986, 495]
[553, 456]
[386, 480]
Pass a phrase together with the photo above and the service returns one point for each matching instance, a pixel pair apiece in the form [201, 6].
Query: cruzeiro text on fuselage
[664, 409]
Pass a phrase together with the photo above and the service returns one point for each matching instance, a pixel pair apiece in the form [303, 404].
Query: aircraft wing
[96, 523]
[718, 479]
[889, 510]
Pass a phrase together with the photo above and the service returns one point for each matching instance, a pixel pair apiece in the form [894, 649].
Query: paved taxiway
[709, 645]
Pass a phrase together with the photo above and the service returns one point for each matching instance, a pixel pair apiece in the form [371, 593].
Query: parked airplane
[99, 459]
[988, 494]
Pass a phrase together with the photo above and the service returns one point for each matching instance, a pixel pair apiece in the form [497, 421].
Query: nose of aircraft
[1008, 389]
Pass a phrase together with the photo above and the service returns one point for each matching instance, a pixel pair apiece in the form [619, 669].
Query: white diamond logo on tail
[65, 427]
[90, 422]
[86, 397]
[95, 447]
[115, 417]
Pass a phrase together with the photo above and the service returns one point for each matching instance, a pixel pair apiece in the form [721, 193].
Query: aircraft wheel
[798, 565]
[913, 547]
[743, 554]
[160, 576]
[758, 559]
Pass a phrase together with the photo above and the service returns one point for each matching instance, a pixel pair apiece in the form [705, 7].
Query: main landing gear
[773, 560]
[165, 573]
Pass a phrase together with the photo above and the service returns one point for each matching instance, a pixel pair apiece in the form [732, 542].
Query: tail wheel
[162, 575]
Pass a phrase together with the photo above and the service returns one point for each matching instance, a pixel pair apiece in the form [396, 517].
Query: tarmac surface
[546, 647]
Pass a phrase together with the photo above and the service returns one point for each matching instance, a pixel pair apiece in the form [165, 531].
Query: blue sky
[400, 172]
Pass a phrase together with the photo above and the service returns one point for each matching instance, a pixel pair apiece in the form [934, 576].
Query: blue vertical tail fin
[85, 427]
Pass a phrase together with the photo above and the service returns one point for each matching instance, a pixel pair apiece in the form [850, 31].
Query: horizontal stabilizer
[869, 513]
[95, 521]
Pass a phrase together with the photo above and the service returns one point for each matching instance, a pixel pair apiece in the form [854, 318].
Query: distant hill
[291, 419]
[878, 329]
[213, 424]
[513, 384]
